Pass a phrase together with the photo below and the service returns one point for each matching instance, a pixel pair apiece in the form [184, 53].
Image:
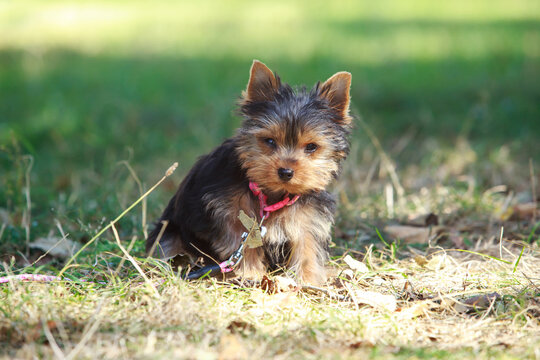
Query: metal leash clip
[229, 264]
[236, 256]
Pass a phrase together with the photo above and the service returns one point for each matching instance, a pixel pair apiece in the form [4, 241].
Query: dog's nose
[285, 174]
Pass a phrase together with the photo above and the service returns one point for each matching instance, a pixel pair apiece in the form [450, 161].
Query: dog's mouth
[280, 189]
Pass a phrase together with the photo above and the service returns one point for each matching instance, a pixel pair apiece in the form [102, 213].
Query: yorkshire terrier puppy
[289, 148]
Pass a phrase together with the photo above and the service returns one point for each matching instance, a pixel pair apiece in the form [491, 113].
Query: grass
[446, 98]
[210, 319]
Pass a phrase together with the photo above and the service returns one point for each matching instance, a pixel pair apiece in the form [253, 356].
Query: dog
[290, 146]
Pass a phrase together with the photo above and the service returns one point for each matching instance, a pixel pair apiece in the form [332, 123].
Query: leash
[227, 265]
[30, 277]
[264, 211]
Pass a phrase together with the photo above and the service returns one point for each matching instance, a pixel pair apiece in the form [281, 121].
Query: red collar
[265, 209]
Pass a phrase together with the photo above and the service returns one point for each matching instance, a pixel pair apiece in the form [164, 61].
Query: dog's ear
[262, 85]
[336, 91]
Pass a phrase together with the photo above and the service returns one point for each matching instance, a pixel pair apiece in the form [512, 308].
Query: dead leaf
[437, 262]
[362, 344]
[377, 281]
[240, 327]
[457, 239]
[347, 274]
[525, 211]
[477, 302]
[265, 303]
[410, 234]
[56, 246]
[283, 283]
[424, 220]
[252, 227]
[371, 298]
[419, 308]
[355, 265]
[336, 283]
[277, 284]
[482, 301]
[420, 260]
[268, 285]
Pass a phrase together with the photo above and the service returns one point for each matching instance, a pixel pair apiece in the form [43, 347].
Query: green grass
[450, 90]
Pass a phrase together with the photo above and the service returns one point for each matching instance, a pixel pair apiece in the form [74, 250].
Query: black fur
[188, 220]
[201, 218]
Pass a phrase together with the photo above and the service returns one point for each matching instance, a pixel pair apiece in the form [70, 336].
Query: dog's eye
[270, 142]
[311, 147]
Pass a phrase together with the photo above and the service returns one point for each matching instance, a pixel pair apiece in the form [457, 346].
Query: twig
[389, 194]
[352, 296]
[130, 246]
[133, 262]
[164, 224]
[490, 307]
[500, 242]
[52, 342]
[205, 254]
[64, 235]
[533, 188]
[2, 230]
[532, 283]
[167, 174]
[28, 213]
[47, 252]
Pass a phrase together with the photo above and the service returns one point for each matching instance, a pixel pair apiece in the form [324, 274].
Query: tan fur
[336, 90]
[312, 171]
[301, 225]
[252, 265]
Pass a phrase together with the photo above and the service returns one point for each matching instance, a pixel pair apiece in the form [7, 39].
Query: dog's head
[293, 141]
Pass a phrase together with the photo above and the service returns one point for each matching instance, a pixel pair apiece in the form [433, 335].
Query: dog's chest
[293, 224]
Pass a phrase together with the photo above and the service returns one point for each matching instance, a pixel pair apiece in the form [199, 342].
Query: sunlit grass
[356, 32]
[122, 318]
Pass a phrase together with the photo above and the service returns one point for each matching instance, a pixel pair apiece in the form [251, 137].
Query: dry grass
[123, 318]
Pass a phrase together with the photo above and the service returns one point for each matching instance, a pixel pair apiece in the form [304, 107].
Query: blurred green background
[86, 84]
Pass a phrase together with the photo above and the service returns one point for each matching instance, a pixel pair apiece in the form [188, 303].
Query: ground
[435, 250]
